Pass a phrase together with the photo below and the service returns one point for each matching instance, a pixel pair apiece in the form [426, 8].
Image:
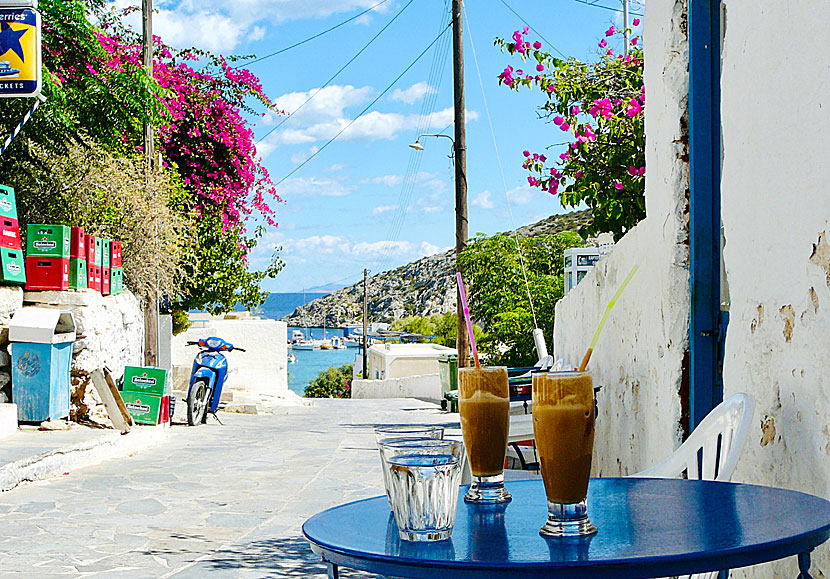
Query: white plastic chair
[712, 451]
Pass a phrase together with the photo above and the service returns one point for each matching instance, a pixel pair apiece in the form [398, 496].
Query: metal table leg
[333, 571]
[804, 566]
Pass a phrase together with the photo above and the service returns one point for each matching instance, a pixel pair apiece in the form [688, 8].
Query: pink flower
[610, 31]
[603, 43]
[610, 52]
[526, 153]
[565, 126]
[558, 120]
[578, 174]
[633, 171]
[636, 22]
[554, 187]
[532, 181]
[537, 45]
[575, 110]
[634, 41]
[543, 158]
[619, 186]
[535, 156]
[540, 67]
[526, 29]
[642, 171]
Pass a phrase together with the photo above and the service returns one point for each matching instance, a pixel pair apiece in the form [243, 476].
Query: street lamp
[462, 342]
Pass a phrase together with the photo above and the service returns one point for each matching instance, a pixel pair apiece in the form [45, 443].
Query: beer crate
[13, 265]
[105, 253]
[146, 379]
[99, 257]
[77, 273]
[47, 241]
[143, 407]
[90, 250]
[98, 274]
[93, 277]
[116, 280]
[9, 233]
[77, 243]
[8, 206]
[115, 254]
[47, 273]
[105, 281]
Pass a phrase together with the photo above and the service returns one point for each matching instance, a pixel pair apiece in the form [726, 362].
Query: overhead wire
[501, 170]
[530, 26]
[310, 38]
[336, 74]
[365, 109]
[595, 5]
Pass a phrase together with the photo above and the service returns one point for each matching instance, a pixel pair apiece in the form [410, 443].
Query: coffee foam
[484, 396]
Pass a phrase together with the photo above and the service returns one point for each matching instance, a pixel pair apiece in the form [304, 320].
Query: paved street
[213, 500]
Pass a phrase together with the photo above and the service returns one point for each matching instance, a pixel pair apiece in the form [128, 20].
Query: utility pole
[625, 25]
[460, 144]
[151, 310]
[365, 326]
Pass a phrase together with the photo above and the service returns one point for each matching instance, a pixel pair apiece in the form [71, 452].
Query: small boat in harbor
[303, 345]
[292, 357]
[337, 343]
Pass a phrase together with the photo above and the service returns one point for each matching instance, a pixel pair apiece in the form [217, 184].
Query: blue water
[311, 362]
[279, 305]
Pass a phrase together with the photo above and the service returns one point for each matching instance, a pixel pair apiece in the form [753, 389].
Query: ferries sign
[20, 55]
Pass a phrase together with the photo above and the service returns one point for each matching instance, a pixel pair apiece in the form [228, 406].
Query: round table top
[647, 528]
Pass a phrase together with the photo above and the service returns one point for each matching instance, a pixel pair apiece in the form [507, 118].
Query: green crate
[77, 274]
[99, 261]
[8, 206]
[105, 255]
[116, 280]
[149, 380]
[14, 269]
[47, 241]
[144, 408]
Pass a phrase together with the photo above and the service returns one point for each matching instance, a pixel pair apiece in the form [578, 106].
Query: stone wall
[639, 358]
[425, 387]
[110, 333]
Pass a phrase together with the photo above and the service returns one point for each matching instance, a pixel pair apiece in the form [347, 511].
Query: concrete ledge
[425, 386]
[8, 419]
[59, 461]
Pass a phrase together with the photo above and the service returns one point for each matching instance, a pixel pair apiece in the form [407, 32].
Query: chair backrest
[711, 452]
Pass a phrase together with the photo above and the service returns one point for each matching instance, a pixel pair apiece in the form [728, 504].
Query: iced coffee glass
[484, 405]
[563, 425]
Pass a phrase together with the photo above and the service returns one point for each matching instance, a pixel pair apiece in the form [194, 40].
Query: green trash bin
[448, 370]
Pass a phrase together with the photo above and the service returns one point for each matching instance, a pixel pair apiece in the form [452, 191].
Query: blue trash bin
[42, 342]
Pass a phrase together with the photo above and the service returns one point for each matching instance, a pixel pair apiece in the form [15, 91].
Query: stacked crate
[105, 267]
[77, 258]
[116, 270]
[146, 394]
[47, 257]
[11, 252]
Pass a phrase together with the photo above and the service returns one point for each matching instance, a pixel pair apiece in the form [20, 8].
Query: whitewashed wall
[426, 386]
[776, 217]
[639, 357]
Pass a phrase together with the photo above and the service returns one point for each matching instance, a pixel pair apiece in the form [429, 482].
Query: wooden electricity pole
[151, 310]
[365, 326]
[460, 144]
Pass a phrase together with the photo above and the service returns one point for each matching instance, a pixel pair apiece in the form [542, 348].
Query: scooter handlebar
[192, 343]
[240, 349]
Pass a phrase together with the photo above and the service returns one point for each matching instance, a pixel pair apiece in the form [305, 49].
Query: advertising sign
[20, 57]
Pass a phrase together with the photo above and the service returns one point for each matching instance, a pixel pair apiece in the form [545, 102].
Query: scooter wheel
[197, 402]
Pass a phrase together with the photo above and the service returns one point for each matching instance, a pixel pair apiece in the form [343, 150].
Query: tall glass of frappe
[484, 405]
[563, 425]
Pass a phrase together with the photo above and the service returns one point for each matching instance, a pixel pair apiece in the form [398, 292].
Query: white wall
[639, 357]
[427, 386]
[776, 138]
[261, 369]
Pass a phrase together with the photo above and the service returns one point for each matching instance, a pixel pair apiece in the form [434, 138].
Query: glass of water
[403, 432]
[424, 489]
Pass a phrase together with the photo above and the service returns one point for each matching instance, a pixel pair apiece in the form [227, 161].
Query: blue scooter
[210, 369]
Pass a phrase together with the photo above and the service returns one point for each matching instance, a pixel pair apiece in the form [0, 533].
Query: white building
[403, 360]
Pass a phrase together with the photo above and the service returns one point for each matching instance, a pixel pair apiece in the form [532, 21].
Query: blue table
[647, 528]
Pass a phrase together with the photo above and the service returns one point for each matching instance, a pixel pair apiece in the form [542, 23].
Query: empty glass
[423, 488]
[404, 432]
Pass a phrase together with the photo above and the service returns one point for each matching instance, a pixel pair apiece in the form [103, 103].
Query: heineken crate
[115, 254]
[47, 241]
[47, 273]
[143, 407]
[90, 250]
[77, 273]
[8, 206]
[99, 261]
[116, 280]
[9, 233]
[105, 255]
[149, 379]
[105, 281]
[14, 270]
[77, 243]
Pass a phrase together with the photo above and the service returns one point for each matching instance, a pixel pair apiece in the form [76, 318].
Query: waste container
[448, 368]
[42, 341]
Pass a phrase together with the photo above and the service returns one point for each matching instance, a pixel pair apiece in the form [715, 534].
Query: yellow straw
[605, 318]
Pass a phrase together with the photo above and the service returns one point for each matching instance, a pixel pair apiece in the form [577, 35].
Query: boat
[337, 343]
[303, 345]
[297, 336]
[292, 357]
[7, 70]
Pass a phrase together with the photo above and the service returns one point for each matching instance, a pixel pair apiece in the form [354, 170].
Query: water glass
[424, 490]
[403, 432]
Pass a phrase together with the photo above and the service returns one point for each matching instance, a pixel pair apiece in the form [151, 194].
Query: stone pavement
[211, 500]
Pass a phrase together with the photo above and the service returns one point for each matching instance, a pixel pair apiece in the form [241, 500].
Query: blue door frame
[705, 387]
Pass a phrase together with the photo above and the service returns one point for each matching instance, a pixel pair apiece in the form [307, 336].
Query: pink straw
[463, 295]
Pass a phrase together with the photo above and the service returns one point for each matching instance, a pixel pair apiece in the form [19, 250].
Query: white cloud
[376, 249]
[381, 209]
[316, 245]
[388, 180]
[335, 167]
[521, 195]
[483, 200]
[298, 158]
[429, 209]
[414, 93]
[314, 187]
[428, 248]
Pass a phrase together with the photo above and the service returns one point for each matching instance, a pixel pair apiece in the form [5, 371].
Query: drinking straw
[605, 318]
[467, 317]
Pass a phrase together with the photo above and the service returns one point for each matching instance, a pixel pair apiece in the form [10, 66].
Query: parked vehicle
[210, 370]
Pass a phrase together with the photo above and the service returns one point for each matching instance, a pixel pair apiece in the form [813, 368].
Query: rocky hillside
[421, 288]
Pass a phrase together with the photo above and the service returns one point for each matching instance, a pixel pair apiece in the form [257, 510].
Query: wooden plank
[128, 418]
[112, 400]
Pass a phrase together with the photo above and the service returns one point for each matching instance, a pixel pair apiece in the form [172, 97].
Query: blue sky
[360, 203]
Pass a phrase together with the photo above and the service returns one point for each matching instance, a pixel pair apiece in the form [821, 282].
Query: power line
[370, 105]
[594, 5]
[526, 23]
[310, 38]
[336, 74]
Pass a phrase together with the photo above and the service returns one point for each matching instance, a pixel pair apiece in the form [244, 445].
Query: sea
[309, 362]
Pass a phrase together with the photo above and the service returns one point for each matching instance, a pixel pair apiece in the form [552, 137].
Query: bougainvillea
[598, 107]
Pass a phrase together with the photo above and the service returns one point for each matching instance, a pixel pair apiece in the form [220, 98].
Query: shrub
[332, 383]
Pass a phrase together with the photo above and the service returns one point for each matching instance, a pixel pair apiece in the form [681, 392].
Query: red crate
[47, 273]
[93, 276]
[9, 233]
[115, 254]
[99, 278]
[90, 250]
[105, 281]
[164, 411]
[77, 243]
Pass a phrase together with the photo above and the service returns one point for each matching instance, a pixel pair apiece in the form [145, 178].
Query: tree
[331, 383]
[443, 326]
[599, 108]
[498, 295]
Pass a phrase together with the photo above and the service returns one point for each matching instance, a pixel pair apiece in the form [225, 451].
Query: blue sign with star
[20, 56]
